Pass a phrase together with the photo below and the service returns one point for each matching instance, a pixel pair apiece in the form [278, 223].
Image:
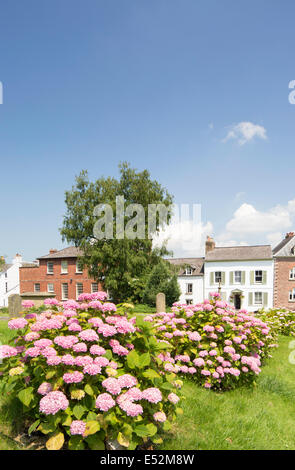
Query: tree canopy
[120, 265]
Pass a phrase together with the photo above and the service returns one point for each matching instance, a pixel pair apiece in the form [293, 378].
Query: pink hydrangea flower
[77, 428]
[112, 385]
[152, 394]
[73, 377]
[53, 402]
[44, 388]
[105, 402]
[160, 416]
[127, 381]
[17, 323]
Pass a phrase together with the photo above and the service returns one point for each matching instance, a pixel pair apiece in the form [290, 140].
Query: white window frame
[258, 271]
[51, 291]
[292, 295]
[65, 297]
[292, 274]
[37, 284]
[189, 301]
[79, 269]
[258, 302]
[79, 291]
[49, 271]
[92, 289]
[64, 267]
[187, 290]
[217, 272]
[240, 276]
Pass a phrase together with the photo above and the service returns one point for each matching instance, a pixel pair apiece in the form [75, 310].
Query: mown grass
[248, 418]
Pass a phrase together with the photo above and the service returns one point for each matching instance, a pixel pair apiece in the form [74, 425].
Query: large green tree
[162, 278]
[121, 265]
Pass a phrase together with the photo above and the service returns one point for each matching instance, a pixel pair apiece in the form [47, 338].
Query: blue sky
[161, 84]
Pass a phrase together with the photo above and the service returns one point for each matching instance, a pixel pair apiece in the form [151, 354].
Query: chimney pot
[52, 250]
[210, 244]
[289, 235]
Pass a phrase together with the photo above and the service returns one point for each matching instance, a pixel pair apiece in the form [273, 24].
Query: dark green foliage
[120, 265]
[162, 279]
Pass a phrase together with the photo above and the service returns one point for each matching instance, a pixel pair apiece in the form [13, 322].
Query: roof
[197, 265]
[5, 268]
[233, 253]
[69, 252]
[282, 244]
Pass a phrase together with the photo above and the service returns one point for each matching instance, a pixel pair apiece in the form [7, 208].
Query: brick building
[284, 273]
[59, 272]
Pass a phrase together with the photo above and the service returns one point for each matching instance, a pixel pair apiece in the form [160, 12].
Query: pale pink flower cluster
[44, 388]
[17, 323]
[88, 335]
[66, 342]
[105, 402]
[77, 428]
[73, 377]
[112, 385]
[53, 402]
[152, 394]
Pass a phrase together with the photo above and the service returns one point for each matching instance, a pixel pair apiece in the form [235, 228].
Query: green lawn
[247, 418]
[260, 417]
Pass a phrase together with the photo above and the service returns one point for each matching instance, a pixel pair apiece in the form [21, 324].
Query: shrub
[162, 279]
[214, 344]
[282, 320]
[86, 374]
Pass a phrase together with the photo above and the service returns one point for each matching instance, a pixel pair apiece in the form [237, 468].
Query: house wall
[197, 295]
[11, 278]
[248, 287]
[29, 276]
[283, 284]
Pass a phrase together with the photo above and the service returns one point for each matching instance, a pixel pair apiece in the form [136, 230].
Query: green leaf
[152, 429]
[26, 396]
[46, 427]
[33, 426]
[89, 390]
[144, 360]
[50, 374]
[67, 421]
[151, 374]
[76, 443]
[141, 430]
[55, 442]
[78, 411]
[133, 359]
[94, 443]
[123, 440]
[91, 427]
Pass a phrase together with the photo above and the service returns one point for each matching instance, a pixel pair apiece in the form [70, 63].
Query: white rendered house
[9, 279]
[190, 279]
[244, 275]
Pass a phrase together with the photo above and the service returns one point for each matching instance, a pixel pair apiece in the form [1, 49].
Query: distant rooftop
[197, 265]
[69, 252]
[239, 253]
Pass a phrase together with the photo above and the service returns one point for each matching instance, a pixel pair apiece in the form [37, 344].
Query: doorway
[237, 301]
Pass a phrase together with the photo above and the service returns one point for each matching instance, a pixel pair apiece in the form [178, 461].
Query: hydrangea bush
[282, 320]
[214, 344]
[86, 374]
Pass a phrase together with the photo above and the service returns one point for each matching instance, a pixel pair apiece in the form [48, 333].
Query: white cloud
[247, 220]
[245, 132]
[185, 238]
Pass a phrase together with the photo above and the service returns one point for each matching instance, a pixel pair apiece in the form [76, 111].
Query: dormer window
[293, 250]
[188, 271]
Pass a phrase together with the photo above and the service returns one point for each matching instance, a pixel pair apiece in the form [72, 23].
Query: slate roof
[240, 253]
[281, 245]
[197, 265]
[69, 252]
[5, 268]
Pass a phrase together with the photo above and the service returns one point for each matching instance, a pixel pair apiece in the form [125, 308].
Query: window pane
[50, 267]
[37, 287]
[64, 266]
[218, 276]
[50, 288]
[79, 268]
[79, 288]
[94, 287]
[64, 291]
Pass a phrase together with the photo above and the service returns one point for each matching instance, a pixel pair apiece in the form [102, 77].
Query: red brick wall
[282, 283]
[31, 275]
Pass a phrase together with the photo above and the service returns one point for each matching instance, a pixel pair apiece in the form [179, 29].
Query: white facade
[251, 281]
[192, 289]
[9, 280]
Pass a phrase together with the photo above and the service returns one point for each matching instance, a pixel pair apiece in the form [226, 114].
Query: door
[237, 301]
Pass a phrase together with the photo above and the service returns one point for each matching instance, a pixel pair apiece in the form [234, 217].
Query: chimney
[210, 245]
[52, 250]
[289, 235]
[17, 259]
